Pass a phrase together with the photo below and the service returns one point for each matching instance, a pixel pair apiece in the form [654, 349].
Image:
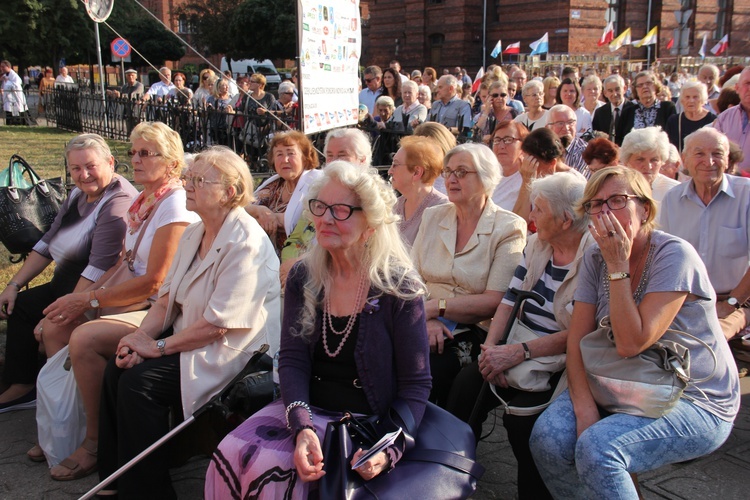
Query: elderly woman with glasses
[495, 110]
[693, 97]
[219, 303]
[156, 221]
[533, 97]
[465, 251]
[353, 340]
[646, 282]
[84, 241]
[648, 112]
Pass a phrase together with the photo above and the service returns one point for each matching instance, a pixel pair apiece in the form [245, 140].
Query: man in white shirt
[160, 89]
[64, 78]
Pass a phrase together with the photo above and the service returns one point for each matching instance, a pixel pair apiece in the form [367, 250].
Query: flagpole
[648, 27]
[484, 36]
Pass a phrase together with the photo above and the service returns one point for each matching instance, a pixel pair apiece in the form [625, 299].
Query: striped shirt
[541, 319]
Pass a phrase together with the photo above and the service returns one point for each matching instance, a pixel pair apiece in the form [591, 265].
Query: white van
[247, 67]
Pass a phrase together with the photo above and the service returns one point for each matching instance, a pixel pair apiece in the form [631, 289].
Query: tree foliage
[44, 31]
[258, 29]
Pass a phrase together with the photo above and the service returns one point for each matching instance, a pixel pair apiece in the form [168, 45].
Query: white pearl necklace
[327, 323]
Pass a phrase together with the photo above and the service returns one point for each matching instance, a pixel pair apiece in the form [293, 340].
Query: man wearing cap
[133, 89]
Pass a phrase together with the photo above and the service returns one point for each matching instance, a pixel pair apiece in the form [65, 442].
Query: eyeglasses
[508, 140]
[368, 80]
[143, 153]
[568, 123]
[287, 93]
[499, 95]
[614, 202]
[532, 95]
[644, 84]
[460, 173]
[339, 211]
[198, 181]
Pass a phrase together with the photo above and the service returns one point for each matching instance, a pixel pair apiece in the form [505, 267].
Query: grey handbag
[534, 374]
[647, 385]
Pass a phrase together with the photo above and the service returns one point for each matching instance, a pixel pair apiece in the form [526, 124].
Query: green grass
[42, 148]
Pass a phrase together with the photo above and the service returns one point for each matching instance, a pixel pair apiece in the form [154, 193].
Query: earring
[643, 221]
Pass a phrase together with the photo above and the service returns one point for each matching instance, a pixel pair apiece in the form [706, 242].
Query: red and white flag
[513, 48]
[608, 35]
[720, 47]
[477, 80]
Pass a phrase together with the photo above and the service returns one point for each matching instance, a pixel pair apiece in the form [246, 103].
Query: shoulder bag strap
[449, 459]
[142, 230]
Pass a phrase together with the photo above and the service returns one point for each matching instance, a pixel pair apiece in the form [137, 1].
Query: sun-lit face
[614, 92]
[706, 160]
[179, 81]
[568, 94]
[287, 161]
[90, 172]
[338, 235]
[691, 100]
[340, 148]
[388, 80]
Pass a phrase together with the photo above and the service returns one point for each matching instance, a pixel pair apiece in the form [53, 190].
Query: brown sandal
[36, 454]
[70, 470]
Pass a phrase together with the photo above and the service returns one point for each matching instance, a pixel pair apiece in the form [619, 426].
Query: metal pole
[101, 74]
[484, 35]
[648, 27]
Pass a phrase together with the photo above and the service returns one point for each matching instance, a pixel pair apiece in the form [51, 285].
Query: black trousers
[444, 367]
[22, 360]
[465, 394]
[134, 413]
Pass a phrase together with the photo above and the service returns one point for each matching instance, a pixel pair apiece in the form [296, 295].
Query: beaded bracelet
[294, 405]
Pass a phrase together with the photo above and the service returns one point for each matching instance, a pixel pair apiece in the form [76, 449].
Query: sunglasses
[499, 95]
[143, 153]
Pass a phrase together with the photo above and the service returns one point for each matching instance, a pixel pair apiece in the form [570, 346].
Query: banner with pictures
[330, 41]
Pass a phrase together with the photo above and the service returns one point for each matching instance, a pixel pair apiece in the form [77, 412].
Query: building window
[437, 39]
[723, 18]
[185, 25]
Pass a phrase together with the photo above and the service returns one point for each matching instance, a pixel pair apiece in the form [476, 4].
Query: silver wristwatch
[161, 344]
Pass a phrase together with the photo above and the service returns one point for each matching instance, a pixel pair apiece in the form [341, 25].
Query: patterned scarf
[143, 205]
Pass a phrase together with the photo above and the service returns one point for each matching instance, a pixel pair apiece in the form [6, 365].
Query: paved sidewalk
[722, 475]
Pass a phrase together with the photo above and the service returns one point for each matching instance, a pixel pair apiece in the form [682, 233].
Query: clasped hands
[496, 359]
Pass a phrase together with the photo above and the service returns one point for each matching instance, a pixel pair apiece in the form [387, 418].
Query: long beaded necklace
[327, 323]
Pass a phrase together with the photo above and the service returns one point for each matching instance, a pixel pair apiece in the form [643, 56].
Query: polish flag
[608, 35]
[477, 80]
[720, 47]
[513, 48]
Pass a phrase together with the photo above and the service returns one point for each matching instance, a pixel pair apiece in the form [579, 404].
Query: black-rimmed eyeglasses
[339, 211]
[614, 202]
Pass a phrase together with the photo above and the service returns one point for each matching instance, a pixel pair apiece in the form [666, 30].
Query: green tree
[272, 27]
[259, 29]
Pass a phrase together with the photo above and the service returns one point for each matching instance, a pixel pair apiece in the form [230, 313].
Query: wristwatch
[526, 351]
[732, 301]
[93, 301]
[618, 276]
[442, 303]
[161, 344]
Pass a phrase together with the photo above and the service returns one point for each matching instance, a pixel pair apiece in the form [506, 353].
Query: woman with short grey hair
[646, 150]
[694, 115]
[466, 251]
[533, 98]
[411, 113]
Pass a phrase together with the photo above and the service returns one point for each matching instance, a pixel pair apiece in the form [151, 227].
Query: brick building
[447, 33]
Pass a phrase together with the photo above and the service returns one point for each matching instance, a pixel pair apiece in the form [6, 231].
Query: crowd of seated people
[403, 289]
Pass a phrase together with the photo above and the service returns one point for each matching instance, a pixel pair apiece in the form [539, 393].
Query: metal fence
[199, 128]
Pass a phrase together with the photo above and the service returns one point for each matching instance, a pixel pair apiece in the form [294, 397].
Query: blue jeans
[598, 463]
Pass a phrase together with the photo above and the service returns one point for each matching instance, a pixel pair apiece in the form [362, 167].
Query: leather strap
[449, 459]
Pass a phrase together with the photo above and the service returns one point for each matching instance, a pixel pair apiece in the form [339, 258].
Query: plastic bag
[60, 418]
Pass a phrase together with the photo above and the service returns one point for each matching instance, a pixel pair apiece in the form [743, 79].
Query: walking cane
[249, 368]
[520, 297]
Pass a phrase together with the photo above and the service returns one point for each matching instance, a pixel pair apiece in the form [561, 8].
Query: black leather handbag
[27, 212]
[438, 461]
